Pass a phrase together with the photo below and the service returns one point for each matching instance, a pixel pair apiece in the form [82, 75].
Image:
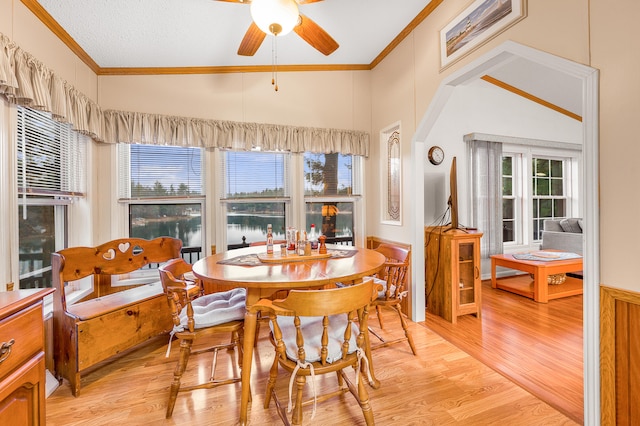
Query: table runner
[252, 259]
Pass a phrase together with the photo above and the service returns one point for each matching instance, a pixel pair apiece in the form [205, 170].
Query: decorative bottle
[313, 237]
[269, 239]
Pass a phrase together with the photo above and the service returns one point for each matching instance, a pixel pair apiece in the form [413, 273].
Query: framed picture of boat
[481, 21]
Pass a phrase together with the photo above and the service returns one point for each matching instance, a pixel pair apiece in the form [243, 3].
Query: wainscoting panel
[619, 356]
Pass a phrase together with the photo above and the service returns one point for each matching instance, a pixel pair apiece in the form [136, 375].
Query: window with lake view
[163, 188]
[51, 175]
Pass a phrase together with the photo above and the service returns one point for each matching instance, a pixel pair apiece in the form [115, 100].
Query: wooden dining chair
[317, 332]
[194, 317]
[393, 278]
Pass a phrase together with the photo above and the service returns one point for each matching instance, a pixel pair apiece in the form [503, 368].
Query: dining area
[264, 275]
[420, 381]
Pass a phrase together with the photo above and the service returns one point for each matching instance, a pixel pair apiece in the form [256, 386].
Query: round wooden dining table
[263, 278]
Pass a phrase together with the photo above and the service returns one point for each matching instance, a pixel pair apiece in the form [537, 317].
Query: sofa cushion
[571, 225]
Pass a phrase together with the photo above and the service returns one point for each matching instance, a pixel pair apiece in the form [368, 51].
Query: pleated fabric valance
[133, 127]
[26, 81]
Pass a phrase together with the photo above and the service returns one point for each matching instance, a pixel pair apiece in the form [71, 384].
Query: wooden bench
[111, 319]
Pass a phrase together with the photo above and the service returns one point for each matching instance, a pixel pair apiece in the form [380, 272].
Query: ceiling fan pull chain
[274, 62]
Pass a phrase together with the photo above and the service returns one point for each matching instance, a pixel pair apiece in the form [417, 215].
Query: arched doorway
[501, 55]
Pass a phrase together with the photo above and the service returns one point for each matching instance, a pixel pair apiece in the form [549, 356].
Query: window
[508, 200]
[536, 186]
[330, 191]
[549, 199]
[51, 160]
[163, 188]
[255, 190]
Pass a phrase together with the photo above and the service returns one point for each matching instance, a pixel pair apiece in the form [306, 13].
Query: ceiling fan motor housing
[276, 17]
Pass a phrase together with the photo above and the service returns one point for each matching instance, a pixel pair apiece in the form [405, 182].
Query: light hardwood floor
[442, 385]
[537, 345]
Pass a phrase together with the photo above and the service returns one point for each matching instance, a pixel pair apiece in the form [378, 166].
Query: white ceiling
[198, 33]
[207, 33]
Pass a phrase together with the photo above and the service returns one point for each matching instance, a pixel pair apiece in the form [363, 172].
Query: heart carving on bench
[123, 247]
[109, 254]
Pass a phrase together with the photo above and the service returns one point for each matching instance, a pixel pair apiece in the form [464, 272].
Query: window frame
[68, 193]
[224, 200]
[123, 165]
[295, 204]
[523, 228]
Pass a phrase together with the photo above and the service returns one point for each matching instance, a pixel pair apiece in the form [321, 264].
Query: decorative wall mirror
[391, 155]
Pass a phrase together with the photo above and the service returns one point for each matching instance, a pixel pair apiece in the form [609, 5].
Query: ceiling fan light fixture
[275, 17]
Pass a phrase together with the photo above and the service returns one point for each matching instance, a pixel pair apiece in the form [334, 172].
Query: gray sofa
[563, 234]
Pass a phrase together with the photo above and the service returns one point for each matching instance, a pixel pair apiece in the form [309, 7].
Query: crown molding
[60, 32]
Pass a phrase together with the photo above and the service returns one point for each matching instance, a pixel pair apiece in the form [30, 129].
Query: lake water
[253, 227]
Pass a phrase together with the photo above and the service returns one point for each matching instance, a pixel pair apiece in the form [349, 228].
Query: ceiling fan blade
[313, 34]
[252, 40]
[304, 1]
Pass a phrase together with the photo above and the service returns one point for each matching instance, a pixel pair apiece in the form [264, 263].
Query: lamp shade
[276, 17]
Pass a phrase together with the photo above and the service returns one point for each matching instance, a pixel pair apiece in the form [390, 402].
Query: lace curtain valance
[26, 81]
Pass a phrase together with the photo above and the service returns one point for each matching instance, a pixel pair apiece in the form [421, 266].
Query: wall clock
[435, 155]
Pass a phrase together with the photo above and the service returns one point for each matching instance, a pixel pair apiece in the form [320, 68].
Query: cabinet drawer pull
[5, 349]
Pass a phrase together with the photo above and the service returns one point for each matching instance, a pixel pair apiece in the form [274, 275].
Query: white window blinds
[51, 156]
[255, 174]
[158, 171]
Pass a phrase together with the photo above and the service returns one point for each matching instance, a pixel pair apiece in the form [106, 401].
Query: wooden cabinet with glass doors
[452, 275]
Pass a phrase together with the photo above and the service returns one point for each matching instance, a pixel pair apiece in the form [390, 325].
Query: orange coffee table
[538, 290]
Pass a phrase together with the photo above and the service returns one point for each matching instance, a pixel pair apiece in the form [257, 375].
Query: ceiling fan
[278, 17]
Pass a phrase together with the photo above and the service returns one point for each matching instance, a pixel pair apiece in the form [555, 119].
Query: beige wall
[615, 52]
[338, 99]
[405, 83]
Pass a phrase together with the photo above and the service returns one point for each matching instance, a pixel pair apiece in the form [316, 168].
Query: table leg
[540, 286]
[250, 321]
[494, 283]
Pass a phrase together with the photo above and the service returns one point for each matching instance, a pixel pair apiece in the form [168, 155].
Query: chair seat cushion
[383, 283]
[216, 308]
[312, 332]
[376, 281]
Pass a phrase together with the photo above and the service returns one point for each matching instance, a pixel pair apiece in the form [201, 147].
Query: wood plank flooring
[537, 345]
[442, 385]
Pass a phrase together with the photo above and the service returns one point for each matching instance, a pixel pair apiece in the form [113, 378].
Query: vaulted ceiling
[207, 33]
[178, 36]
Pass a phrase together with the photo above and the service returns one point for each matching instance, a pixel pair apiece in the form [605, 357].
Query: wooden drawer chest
[22, 361]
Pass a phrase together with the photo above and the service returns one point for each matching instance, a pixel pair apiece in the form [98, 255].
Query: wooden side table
[539, 290]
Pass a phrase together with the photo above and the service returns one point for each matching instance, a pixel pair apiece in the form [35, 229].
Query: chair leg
[296, 417]
[181, 366]
[237, 339]
[379, 313]
[271, 383]
[340, 379]
[363, 400]
[407, 333]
